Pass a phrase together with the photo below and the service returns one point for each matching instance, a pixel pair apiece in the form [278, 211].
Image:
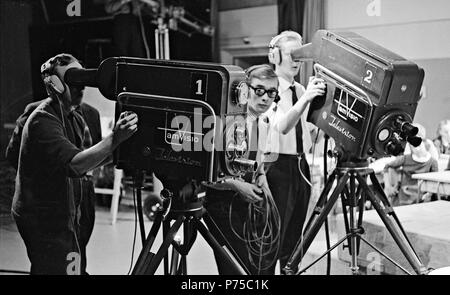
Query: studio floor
[109, 251]
[110, 248]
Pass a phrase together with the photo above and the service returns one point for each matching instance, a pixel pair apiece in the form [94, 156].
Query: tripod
[190, 216]
[351, 185]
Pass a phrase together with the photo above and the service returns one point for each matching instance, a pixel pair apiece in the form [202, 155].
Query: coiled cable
[261, 231]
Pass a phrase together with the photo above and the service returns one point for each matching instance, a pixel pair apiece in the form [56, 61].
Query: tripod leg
[382, 196]
[237, 266]
[145, 256]
[303, 244]
[322, 200]
[344, 201]
[162, 251]
[166, 228]
[393, 226]
[362, 201]
[174, 260]
[353, 224]
[140, 214]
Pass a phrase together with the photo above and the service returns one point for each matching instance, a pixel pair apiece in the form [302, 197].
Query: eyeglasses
[272, 93]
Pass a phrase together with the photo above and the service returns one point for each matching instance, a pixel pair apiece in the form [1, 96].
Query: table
[434, 182]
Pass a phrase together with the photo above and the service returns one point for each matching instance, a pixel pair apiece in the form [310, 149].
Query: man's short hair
[262, 71]
[62, 59]
[285, 36]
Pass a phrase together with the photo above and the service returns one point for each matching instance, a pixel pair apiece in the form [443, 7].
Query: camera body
[371, 98]
[191, 124]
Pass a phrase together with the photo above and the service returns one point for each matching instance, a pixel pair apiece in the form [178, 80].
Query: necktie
[253, 141]
[253, 147]
[82, 133]
[298, 127]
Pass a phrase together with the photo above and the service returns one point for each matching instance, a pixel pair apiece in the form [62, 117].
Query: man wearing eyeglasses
[233, 203]
[287, 170]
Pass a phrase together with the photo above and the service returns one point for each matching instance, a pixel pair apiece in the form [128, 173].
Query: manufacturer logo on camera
[336, 124]
[177, 137]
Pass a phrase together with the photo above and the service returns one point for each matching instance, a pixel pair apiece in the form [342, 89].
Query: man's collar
[251, 116]
[284, 84]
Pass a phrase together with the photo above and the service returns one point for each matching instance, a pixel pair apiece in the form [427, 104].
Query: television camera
[191, 117]
[370, 102]
[191, 134]
[372, 95]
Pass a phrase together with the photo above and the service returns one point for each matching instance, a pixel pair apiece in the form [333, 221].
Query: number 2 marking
[369, 76]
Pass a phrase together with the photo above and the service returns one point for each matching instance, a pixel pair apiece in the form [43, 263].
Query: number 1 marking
[199, 87]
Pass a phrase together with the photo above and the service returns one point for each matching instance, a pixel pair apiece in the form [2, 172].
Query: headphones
[51, 81]
[275, 56]
[50, 76]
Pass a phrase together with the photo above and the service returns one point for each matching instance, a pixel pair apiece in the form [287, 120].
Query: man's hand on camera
[125, 127]
[316, 87]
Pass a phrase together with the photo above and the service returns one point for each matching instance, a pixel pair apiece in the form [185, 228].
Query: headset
[274, 55]
[52, 81]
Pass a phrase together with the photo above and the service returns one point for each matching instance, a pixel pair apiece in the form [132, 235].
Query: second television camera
[372, 95]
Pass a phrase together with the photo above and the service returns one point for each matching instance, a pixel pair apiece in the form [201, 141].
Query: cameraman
[92, 118]
[286, 167]
[230, 214]
[52, 162]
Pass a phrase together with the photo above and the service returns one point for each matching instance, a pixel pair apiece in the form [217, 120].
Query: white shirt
[251, 121]
[277, 142]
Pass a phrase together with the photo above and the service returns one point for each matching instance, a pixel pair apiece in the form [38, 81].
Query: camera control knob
[384, 134]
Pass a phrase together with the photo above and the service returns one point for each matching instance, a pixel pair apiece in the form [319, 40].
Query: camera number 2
[199, 84]
[368, 75]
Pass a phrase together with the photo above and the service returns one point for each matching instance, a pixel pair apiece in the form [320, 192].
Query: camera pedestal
[191, 219]
[352, 187]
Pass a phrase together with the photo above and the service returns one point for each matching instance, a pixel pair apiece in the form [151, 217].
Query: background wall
[245, 30]
[415, 29]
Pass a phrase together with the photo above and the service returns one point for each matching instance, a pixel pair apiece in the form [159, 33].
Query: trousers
[53, 247]
[291, 192]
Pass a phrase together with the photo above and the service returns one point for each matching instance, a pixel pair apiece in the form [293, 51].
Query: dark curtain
[302, 16]
[314, 18]
[290, 15]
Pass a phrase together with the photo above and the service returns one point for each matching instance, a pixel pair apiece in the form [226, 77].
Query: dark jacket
[46, 184]
[90, 115]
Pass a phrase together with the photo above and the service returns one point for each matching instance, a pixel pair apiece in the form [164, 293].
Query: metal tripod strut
[148, 262]
[353, 196]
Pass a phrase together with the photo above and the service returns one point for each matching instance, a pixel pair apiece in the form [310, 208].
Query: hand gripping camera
[371, 98]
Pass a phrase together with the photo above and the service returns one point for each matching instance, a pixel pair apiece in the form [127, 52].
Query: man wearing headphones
[92, 118]
[56, 153]
[230, 202]
[287, 170]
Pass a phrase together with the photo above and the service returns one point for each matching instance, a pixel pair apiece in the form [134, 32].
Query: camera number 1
[199, 83]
